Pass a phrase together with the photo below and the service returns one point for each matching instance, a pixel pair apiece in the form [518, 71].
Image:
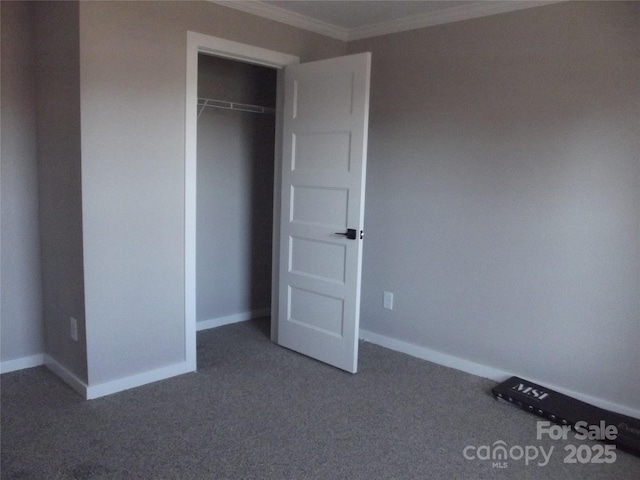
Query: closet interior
[236, 141]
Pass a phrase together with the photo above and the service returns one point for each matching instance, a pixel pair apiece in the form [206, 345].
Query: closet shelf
[210, 102]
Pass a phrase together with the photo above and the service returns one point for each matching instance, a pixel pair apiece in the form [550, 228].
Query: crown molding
[286, 16]
[449, 15]
[441, 17]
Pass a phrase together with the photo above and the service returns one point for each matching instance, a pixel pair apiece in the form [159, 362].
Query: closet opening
[236, 138]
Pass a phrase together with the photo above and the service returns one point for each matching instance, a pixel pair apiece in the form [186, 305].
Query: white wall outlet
[387, 301]
[73, 327]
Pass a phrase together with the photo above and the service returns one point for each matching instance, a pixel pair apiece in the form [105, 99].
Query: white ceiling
[355, 19]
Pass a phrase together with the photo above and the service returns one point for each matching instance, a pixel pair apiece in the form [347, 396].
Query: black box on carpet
[565, 410]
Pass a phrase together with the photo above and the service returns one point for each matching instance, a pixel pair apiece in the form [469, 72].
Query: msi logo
[530, 391]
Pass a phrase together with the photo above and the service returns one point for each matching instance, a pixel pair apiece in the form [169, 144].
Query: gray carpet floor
[257, 411]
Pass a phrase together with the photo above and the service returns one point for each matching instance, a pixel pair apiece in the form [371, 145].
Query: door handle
[351, 234]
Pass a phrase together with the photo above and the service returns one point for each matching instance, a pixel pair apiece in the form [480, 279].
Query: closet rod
[210, 102]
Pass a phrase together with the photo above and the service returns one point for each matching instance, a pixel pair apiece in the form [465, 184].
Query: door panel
[329, 149]
[334, 200]
[323, 177]
[317, 259]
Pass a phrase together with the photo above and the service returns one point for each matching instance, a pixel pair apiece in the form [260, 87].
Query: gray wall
[133, 57]
[58, 140]
[503, 193]
[503, 188]
[234, 190]
[21, 307]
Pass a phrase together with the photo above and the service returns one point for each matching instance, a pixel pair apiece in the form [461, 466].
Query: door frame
[201, 43]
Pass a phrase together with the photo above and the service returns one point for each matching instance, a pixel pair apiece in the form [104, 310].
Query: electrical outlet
[387, 301]
[73, 327]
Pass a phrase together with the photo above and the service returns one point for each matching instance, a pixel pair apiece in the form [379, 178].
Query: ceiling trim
[286, 16]
[449, 15]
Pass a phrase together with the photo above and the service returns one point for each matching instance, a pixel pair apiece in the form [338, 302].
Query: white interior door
[324, 149]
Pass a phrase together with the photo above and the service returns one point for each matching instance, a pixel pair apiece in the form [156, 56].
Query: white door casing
[207, 44]
[326, 110]
[340, 352]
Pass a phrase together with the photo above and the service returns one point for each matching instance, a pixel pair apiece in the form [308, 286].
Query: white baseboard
[22, 363]
[435, 356]
[132, 381]
[90, 392]
[228, 320]
[484, 371]
[68, 377]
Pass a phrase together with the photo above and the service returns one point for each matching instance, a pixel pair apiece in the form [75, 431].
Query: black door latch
[351, 234]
